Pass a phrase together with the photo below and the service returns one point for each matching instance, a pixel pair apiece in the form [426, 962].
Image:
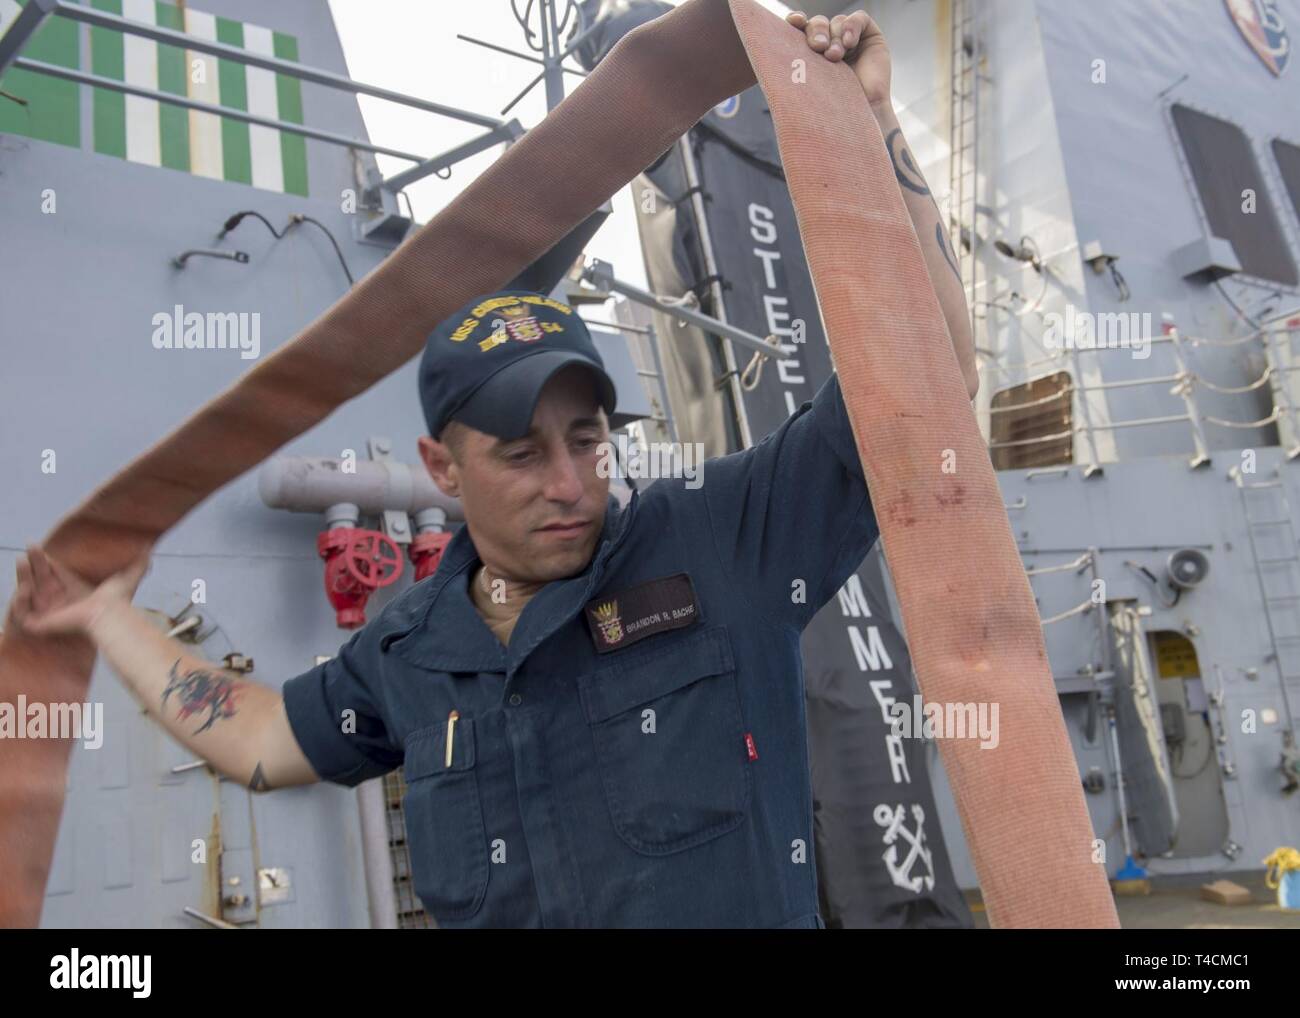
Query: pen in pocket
[451, 732]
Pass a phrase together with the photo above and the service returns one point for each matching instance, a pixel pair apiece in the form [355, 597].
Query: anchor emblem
[894, 822]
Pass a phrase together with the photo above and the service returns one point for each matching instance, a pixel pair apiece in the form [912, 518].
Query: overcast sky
[411, 46]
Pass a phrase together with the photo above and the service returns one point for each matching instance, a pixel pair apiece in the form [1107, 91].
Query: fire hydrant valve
[357, 563]
[426, 552]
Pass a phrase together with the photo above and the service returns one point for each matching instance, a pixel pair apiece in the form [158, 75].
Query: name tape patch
[620, 620]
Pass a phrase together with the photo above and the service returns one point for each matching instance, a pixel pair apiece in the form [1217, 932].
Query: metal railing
[1184, 382]
[966, 48]
[35, 13]
[661, 412]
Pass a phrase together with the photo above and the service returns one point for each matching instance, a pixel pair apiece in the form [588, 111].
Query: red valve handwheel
[373, 560]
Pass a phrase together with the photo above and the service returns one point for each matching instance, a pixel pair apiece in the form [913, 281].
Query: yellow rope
[1281, 861]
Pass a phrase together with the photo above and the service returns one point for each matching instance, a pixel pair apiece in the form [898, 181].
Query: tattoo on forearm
[904, 167]
[258, 782]
[910, 177]
[200, 691]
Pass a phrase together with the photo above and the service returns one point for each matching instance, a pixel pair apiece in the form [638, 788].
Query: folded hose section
[970, 617]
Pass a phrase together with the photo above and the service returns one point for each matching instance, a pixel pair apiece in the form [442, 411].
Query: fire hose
[972, 624]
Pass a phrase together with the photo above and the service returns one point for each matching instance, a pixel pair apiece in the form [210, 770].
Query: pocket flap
[426, 750]
[636, 680]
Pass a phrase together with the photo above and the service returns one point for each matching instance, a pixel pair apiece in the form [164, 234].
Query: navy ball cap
[486, 365]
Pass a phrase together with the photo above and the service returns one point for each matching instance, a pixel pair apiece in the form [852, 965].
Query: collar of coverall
[449, 612]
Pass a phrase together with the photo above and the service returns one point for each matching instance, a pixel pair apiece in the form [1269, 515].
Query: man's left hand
[855, 39]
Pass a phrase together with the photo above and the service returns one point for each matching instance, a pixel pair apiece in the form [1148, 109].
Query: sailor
[598, 708]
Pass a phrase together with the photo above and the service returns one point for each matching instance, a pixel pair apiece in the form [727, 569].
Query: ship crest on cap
[509, 318]
[521, 325]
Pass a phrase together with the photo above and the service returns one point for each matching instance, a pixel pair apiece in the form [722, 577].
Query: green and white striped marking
[157, 134]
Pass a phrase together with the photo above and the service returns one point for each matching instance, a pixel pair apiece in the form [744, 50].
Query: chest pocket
[444, 821]
[669, 739]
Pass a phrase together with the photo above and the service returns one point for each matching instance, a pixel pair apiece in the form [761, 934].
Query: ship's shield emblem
[520, 325]
[1260, 23]
[609, 620]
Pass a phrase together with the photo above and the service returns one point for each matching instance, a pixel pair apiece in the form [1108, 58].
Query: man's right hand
[51, 599]
[856, 40]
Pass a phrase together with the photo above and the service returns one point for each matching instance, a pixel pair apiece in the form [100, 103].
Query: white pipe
[312, 484]
[377, 854]
[1119, 784]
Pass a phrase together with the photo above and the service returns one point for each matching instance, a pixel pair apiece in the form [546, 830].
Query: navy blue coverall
[638, 755]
